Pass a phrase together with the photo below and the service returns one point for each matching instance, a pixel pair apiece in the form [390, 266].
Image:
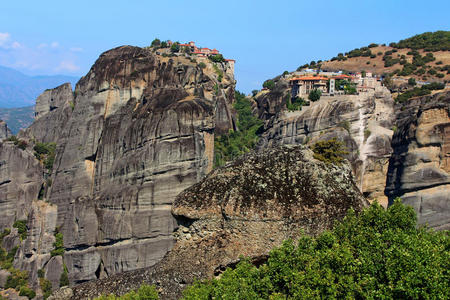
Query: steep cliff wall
[419, 169]
[21, 178]
[363, 122]
[139, 130]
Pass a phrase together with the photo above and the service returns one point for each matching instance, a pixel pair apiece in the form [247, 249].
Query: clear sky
[265, 37]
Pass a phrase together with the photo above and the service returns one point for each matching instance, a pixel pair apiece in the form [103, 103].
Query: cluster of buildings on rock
[303, 82]
[199, 51]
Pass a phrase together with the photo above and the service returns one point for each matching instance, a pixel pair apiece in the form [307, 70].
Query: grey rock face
[141, 130]
[52, 99]
[362, 122]
[3, 277]
[4, 130]
[419, 170]
[21, 178]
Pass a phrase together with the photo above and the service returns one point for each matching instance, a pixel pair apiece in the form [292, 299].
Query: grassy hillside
[425, 57]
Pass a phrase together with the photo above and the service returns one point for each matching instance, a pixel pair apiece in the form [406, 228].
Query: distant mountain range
[17, 118]
[19, 90]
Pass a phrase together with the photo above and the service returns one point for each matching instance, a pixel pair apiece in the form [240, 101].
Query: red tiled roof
[229, 60]
[342, 76]
[310, 78]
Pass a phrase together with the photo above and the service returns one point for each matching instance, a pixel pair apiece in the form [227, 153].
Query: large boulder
[244, 208]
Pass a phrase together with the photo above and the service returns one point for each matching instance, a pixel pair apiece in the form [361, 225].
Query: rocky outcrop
[139, 130]
[52, 112]
[21, 178]
[4, 130]
[244, 208]
[52, 99]
[362, 122]
[420, 165]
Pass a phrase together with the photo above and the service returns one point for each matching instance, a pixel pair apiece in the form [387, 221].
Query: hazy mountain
[17, 118]
[18, 89]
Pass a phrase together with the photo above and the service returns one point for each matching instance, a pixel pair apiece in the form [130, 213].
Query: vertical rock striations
[363, 122]
[419, 169]
[139, 130]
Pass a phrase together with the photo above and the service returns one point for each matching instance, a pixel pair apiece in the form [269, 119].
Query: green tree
[156, 42]
[175, 47]
[216, 58]
[269, 84]
[379, 254]
[314, 95]
[329, 151]
[412, 81]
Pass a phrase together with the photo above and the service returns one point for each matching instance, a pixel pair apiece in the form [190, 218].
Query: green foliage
[156, 42]
[364, 51]
[46, 287]
[21, 226]
[72, 105]
[269, 84]
[145, 292]
[45, 152]
[27, 292]
[429, 41]
[422, 91]
[380, 254]
[202, 65]
[58, 245]
[218, 72]
[229, 146]
[295, 103]
[314, 95]
[17, 279]
[64, 278]
[389, 61]
[217, 58]
[329, 151]
[175, 47]
[412, 81]
[41, 273]
[21, 144]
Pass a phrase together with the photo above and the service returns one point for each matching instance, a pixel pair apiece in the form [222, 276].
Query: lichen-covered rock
[419, 169]
[244, 208]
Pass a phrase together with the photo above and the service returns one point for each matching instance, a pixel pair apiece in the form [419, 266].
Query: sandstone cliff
[137, 131]
[363, 122]
[420, 165]
[244, 208]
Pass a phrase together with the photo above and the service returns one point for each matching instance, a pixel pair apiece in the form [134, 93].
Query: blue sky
[265, 37]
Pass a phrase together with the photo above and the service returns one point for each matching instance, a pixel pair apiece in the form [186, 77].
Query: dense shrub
[380, 254]
[429, 41]
[21, 226]
[229, 146]
[145, 292]
[45, 152]
[329, 151]
[314, 95]
[216, 58]
[58, 245]
[64, 278]
[422, 91]
[269, 84]
[46, 287]
[202, 65]
[27, 292]
[296, 103]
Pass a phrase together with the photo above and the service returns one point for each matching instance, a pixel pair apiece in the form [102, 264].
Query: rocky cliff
[244, 208]
[137, 131]
[4, 130]
[420, 165]
[363, 122]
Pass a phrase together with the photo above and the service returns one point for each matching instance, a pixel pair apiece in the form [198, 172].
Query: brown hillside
[376, 65]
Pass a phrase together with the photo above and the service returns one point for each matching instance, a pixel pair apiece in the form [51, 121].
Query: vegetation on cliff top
[145, 292]
[380, 254]
[231, 145]
[422, 91]
[429, 41]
